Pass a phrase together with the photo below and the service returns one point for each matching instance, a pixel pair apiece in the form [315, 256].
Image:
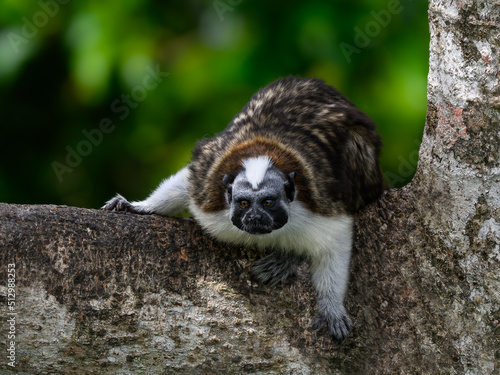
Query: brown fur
[230, 164]
[303, 126]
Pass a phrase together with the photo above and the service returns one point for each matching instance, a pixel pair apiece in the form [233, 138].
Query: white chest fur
[305, 233]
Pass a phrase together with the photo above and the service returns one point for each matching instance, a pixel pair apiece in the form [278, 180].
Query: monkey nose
[254, 217]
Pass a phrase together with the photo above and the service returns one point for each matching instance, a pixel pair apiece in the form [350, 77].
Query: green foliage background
[64, 63]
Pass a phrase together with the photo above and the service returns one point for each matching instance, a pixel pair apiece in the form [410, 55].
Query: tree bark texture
[102, 292]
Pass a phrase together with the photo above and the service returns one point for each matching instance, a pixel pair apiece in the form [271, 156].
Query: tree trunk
[99, 292]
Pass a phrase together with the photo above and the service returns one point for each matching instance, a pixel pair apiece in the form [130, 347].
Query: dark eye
[244, 204]
[268, 202]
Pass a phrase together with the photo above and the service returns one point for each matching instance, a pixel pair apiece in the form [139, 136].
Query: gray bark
[100, 292]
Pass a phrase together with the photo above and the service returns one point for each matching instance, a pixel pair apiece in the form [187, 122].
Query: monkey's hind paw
[337, 322]
[120, 204]
[275, 268]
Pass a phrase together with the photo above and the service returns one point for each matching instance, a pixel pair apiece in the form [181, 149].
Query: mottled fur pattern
[286, 175]
[305, 127]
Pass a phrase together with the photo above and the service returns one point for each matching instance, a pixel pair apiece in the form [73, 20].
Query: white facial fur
[256, 168]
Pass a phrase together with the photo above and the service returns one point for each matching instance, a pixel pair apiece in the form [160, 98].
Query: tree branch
[143, 293]
[99, 291]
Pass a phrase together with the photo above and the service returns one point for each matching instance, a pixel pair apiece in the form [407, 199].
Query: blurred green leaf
[68, 68]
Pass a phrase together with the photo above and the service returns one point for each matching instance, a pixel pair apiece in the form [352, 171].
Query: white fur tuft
[256, 168]
[170, 197]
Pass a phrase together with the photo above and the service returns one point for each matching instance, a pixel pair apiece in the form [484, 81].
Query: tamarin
[286, 175]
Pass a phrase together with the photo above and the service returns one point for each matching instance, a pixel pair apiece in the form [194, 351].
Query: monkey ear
[227, 181]
[290, 186]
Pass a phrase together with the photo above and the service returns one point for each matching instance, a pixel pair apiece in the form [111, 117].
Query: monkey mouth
[256, 229]
[259, 228]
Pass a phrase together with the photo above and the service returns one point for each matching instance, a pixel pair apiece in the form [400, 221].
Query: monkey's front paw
[275, 268]
[118, 203]
[335, 318]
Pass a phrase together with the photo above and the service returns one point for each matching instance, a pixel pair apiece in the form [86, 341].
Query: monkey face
[259, 208]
